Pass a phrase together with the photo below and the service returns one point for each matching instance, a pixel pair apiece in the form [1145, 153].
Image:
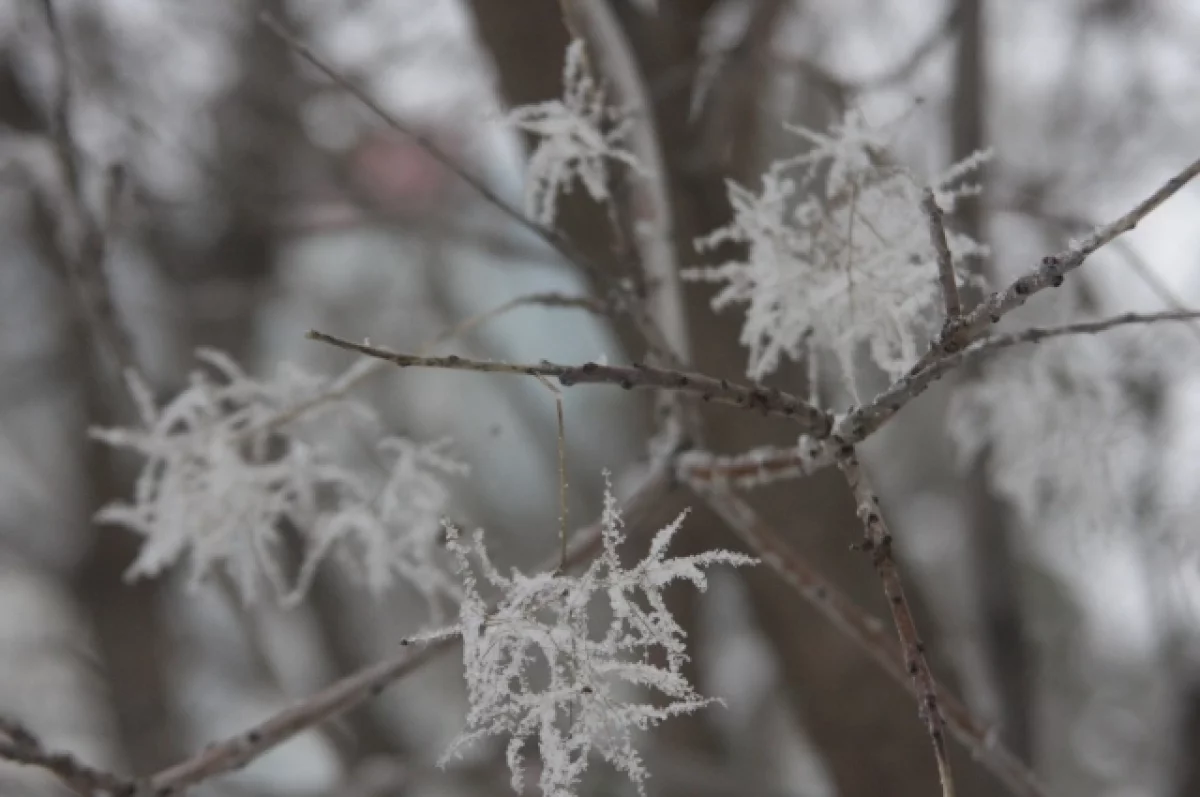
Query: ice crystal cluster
[834, 254]
[1066, 442]
[231, 464]
[577, 137]
[538, 675]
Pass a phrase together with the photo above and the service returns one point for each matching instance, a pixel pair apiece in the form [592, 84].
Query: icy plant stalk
[536, 674]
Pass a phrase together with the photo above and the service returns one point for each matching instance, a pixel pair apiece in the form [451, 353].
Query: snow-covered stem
[870, 635]
[236, 752]
[945, 261]
[877, 542]
[1050, 272]
[768, 401]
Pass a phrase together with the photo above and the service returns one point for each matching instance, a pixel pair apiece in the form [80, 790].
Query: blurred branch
[22, 746]
[84, 233]
[756, 468]
[868, 634]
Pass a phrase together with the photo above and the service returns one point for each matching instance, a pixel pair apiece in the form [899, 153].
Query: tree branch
[878, 543]
[1050, 272]
[945, 262]
[718, 391]
[869, 635]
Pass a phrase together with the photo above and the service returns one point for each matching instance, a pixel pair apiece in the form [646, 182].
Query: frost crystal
[1066, 443]
[536, 674]
[577, 137]
[229, 466]
[837, 254]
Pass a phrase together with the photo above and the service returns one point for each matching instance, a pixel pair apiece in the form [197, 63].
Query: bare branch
[1050, 272]
[1036, 334]
[878, 543]
[756, 468]
[945, 262]
[22, 746]
[870, 635]
[719, 391]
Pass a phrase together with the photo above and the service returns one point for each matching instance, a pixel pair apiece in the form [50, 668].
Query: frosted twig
[1049, 273]
[878, 543]
[870, 635]
[719, 391]
[234, 753]
[945, 261]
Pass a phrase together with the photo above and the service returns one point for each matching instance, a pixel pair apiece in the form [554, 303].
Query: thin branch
[618, 295]
[862, 422]
[945, 261]
[755, 468]
[22, 746]
[234, 753]
[1050, 272]
[84, 232]
[870, 635]
[878, 543]
[341, 386]
[718, 391]
[1036, 334]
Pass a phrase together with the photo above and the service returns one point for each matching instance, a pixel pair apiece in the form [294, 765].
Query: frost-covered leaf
[577, 137]
[837, 254]
[537, 674]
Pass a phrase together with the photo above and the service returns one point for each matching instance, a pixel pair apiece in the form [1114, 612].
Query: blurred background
[258, 199]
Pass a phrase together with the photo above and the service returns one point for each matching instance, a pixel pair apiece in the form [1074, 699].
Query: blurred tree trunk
[992, 535]
[865, 726]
